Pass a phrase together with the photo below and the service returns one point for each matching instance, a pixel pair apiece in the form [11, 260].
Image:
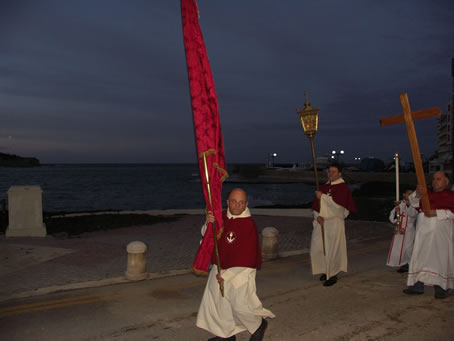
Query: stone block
[25, 212]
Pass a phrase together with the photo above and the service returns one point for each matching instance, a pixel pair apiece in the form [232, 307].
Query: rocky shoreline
[11, 160]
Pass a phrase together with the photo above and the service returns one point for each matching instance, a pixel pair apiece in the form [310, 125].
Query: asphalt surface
[33, 266]
[75, 288]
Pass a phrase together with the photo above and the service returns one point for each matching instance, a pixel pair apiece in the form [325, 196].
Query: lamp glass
[309, 121]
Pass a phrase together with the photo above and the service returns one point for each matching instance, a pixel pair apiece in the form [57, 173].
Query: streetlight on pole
[271, 157]
[335, 155]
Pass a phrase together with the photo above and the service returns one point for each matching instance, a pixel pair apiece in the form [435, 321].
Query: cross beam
[408, 117]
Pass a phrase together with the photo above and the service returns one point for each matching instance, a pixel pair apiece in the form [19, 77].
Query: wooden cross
[408, 117]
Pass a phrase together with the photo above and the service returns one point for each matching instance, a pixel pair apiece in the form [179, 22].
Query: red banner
[207, 127]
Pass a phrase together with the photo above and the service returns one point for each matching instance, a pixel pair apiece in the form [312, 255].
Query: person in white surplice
[402, 244]
[432, 261]
[332, 205]
[240, 256]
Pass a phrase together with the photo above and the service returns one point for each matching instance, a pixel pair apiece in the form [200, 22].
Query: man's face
[439, 182]
[333, 174]
[237, 202]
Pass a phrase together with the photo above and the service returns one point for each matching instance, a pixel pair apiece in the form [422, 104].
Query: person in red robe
[331, 206]
[432, 261]
[240, 256]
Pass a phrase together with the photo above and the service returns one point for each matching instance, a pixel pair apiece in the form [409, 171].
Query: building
[445, 133]
[445, 142]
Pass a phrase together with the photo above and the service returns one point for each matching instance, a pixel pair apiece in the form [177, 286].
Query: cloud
[112, 74]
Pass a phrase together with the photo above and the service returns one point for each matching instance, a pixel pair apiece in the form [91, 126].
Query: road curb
[90, 284]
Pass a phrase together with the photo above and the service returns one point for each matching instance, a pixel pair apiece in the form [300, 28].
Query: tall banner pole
[213, 226]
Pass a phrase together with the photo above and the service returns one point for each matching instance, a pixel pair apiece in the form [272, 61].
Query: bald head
[440, 181]
[237, 201]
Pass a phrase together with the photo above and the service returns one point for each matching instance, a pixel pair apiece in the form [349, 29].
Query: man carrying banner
[432, 262]
[332, 205]
[240, 255]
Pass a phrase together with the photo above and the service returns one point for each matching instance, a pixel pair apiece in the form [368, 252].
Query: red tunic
[341, 195]
[440, 200]
[239, 244]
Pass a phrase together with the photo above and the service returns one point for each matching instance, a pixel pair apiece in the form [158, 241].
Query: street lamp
[336, 154]
[309, 121]
[271, 157]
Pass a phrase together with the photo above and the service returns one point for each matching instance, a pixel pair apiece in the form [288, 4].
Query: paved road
[366, 304]
[30, 266]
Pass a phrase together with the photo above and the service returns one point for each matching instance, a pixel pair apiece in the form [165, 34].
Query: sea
[130, 187]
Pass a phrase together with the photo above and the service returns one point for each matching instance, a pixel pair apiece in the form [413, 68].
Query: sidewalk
[34, 266]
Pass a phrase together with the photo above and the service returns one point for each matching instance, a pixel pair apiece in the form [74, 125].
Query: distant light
[342, 152]
[332, 157]
[274, 154]
[333, 152]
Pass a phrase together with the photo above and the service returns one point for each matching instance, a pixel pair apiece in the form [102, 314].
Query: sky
[105, 81]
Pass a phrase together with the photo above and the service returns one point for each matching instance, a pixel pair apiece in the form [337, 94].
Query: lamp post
[336, 154]
[271, 157]
[309, 121]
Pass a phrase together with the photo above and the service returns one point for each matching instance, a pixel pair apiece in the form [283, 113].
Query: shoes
[330, 282]
[440, 295]
[323, 277]
[412, 292]
[403, 269]
[218, 338]
[260, 332]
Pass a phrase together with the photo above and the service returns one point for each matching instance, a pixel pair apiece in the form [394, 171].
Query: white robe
[335, 259]
[402, 244]
[240, 309]
[432, 261]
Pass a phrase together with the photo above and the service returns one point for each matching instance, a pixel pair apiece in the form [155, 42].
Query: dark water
[78, 187]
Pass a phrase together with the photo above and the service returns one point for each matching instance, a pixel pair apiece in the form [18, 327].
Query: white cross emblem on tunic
[230, 237]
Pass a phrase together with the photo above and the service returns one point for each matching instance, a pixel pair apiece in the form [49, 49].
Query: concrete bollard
[269, 243]
[137, 263]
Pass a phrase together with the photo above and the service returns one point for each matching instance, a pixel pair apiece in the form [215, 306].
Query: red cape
[440, 200]
[239, 244]
[340, 194]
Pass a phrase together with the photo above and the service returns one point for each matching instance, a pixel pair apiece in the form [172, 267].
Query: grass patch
[73, 226]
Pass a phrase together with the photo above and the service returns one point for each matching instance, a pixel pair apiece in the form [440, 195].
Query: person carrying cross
[432, 262]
